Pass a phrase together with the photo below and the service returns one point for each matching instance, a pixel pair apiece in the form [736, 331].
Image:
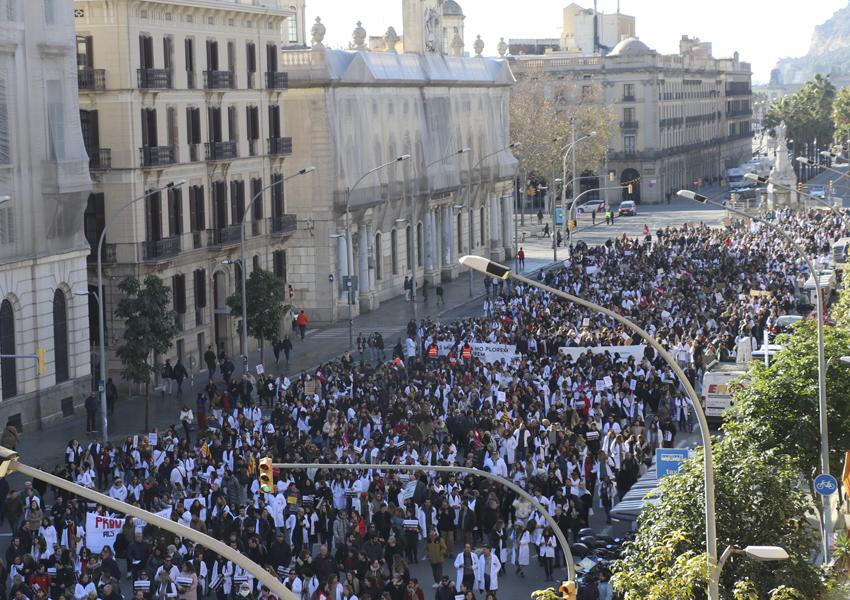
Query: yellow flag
[845, 478]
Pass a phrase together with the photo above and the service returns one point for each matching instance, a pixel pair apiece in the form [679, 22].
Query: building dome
[452, 9]
[631, 47]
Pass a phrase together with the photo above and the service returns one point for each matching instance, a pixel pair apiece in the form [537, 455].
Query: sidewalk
[46, 446]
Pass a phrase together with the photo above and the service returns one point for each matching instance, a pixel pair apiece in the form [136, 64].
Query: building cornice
[220, 5]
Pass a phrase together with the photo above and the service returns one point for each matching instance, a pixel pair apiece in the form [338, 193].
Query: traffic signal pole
[9, 463]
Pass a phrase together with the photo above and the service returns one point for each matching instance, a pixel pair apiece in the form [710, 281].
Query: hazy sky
[760, 30]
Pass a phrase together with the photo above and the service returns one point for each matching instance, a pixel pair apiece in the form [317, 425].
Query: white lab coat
[495, 566]
[521, 551]
[459, 568]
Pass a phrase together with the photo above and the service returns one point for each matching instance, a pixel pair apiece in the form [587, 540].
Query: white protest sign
[102, 530]
[165, 514]
[624, 351]
[260, 369]
[490, 353]
[445, 347]
[409, 489]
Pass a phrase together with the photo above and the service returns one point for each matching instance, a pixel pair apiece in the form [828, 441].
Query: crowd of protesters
[576, 433]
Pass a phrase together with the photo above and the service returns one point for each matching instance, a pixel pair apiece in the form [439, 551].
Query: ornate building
[189, 92]
[44, 182]
[350, 112]
[683, 118]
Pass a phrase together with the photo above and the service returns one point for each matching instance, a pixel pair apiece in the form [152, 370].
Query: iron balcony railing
[91, 79]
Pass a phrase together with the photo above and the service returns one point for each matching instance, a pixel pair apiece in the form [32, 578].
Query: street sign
[349, 282]
[669, 460]
[100, 386]
[826, 485]
[331, 278]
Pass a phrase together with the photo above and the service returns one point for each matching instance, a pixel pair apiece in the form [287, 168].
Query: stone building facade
[684, 118]
[349, 112]
[44, 173]
[188, 92]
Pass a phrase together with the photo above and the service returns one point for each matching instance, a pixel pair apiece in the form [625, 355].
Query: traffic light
[799, 186]
[568, 590]
[42, 362]
[631, 188]
[734, 197]
[265, 476]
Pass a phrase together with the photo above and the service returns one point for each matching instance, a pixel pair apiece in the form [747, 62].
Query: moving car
[627, 207]
[590, 206]
[818, 191]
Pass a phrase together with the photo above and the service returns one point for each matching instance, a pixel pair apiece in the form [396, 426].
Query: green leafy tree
[757, 503]
[778, 409]
[266, 308]
[150, 328]
[841, 114]
[808, 113]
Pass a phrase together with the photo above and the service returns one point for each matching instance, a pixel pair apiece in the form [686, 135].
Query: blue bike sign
[826, 485]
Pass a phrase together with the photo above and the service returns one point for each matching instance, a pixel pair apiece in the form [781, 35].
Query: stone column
[363, 259]
[447, 242]
[342, 264]
[508, 225]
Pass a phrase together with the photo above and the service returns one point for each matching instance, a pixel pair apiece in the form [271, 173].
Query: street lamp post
[570, 148]
[245, 214]
[510, 146]
[502, 272]
[824, 426]
[350, 247]
[101, 318]
[756, 553]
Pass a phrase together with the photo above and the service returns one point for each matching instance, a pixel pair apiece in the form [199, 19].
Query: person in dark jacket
[138, 553]
[91, 412]
[180, 374]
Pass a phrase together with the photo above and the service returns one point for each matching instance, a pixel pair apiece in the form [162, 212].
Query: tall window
[251, 60]
[419, 241]
[278, 200]
[252, 128]
[8, 367]
[408, 245]
[257, 207]
[279, 264]
[629, 114]
[60, 336]
[293, 26]
[199, 277]
[219, 201]
[153, 217]
[56, 119]
[394, 250]
[189, 53]
[379, 271]
[460, 233]
[197, 212]
[175, 211]
[5, 146]
[178, 287]
[481, 225]
[629, 144]
[628, 91]
[237, 201]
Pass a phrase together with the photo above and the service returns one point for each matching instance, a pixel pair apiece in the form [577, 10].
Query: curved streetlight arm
[496, 270]
[446, 157]
[101, 317]
[550, 520]
[822, 366]
[398, 159]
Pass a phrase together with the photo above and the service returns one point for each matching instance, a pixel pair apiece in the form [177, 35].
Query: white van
[717, 389]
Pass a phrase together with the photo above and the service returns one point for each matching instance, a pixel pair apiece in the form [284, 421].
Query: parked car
[590, 206]
[783, 324]
[627, 207]
[818, 191]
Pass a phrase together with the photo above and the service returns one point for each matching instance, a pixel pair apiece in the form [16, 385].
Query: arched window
[460, 233]
[256, 263]
[394, 250]
[60, 336]
[408, 247]
[8, 368]
[379, 271]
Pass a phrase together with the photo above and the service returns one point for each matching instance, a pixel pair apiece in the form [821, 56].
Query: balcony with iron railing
[739, 91]
[628, 125]
[91, 79]
[285, 224]
[157, 156]
[220, 150]
[219, 80]
[280, 146]
[277, 81]
[628, 98]
[154, 79]
[100, 159]
[224, 236]
[159, 250]
[739, 112]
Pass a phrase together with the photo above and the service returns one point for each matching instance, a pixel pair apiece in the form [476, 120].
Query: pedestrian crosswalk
[337, 333]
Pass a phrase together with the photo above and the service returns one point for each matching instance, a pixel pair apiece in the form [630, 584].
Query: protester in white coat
[486, 578]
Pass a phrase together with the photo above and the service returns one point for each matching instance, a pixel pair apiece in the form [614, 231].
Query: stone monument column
[782, 174]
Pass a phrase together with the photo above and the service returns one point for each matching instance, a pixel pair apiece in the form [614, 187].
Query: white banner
[101, 531]
[624, 351]
[165, 514]
[487, 353]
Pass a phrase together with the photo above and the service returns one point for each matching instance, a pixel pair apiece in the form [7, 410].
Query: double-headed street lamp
[510, 146]
[349, 246]
[488, 267]
[101, 384]
[569, 149]
[258, 195]
[824, 426]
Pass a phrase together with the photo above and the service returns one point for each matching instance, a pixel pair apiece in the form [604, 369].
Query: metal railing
[225, 236]
[629, 98]
[100, 159]
[154, 79]
[280, 146]
[219, 80]
[628, 124]
[91, 79]
[153, 251]
[157, 156]
[283, 224]
[220, 150]
[277, 80]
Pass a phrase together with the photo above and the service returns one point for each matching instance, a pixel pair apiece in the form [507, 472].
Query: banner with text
[102, 531]
[487, 353]
[624, 351]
